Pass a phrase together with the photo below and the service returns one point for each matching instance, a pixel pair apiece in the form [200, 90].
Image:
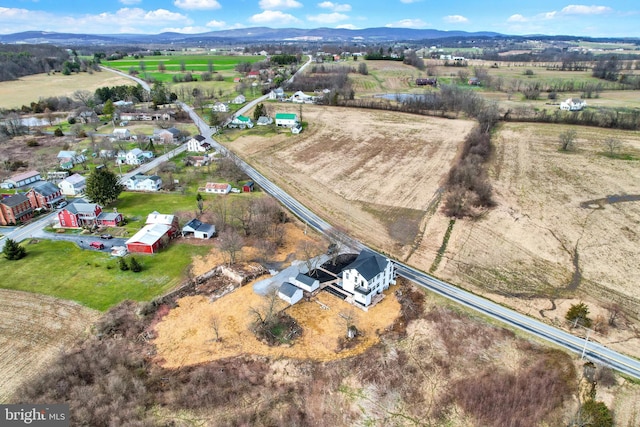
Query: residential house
[70, 158]
[301, 98]
[106, 154]
[240, 99]
[79, 214]
[220, 107]
[573, 104]
[198, 144]
[123, 104]
[264, 121]
[217, 188]
[241, 122]
[253, 75]
[142, 182]
[248, 187]
[305, 282]
[22, 179]
[110, 219]
[121, 134]
[198, 161]
[129, 116]
[135, 157]
[368, 276]
[286, 120]
[73, 185]
[56, 176]
[166, 136]
[277, 94]
[290, 293]
[44, 194]
[198, 229]
[15, 209]
[87, 116]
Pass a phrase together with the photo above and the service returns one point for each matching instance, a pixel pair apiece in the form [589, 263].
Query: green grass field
[63, 270]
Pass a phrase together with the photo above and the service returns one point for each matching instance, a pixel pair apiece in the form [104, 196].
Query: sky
[619, 18]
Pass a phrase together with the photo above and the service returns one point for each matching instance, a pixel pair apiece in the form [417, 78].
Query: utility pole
[586, 340]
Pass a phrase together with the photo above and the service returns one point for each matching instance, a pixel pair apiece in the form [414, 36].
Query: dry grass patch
[29, 89]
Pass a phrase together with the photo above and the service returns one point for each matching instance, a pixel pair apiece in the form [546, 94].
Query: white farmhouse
[144, 183]
[367, 276]
[73, 185]
[220, 107]
[134, 157]
[198, 144]
[240, 99]
[121, 134]
[573, 104]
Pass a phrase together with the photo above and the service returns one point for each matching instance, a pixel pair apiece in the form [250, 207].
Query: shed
[305, 282]
[290, 293]
[198, 229]
[248, 187]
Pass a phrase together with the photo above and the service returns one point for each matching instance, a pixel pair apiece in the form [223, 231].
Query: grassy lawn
[93, 278]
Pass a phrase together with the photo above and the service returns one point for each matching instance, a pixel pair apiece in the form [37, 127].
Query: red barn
[150, 239]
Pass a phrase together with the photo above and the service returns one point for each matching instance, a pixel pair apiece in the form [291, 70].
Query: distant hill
[255, 34]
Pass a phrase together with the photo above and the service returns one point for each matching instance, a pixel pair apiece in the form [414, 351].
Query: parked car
[97, 245]
[62, 204]
[235, 190]
[106, 236]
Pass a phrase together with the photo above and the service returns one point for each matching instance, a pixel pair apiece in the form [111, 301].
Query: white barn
[290, 293]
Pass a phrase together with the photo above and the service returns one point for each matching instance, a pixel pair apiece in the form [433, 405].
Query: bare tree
[215, 325]
[567, 139]
[612, 145]
[267, 313]
[310, 252]
[349, 318]
[85, 97]
[230, 242]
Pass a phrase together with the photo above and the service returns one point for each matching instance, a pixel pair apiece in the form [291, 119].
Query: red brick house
[44, 194]
[15, 209]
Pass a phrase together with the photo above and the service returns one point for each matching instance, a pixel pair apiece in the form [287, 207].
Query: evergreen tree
[122, 264]
[136, 267]
[13, 251]
[108, 109]
[103, 186]
[578, 314]
[259, 111]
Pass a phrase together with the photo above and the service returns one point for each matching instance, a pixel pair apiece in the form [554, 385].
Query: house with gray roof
[367, 276]
[73, 185]
[142, 182]
[44, 194]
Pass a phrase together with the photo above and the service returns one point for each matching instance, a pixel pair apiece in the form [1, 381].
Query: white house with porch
[141, 182]
[198, 144]
[73, 185]
[573, 104]
[368, 276]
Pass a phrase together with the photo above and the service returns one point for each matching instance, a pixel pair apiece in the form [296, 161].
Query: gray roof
[174, 131]
[199, 138]
[288, 289]
[45, 188]
[79, 207]
[108, 216]
[197, 225]
[303, 278]
[14, 200]
[75, 179]
[369, 264]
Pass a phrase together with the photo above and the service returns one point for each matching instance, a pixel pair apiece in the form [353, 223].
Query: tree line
[22, 60]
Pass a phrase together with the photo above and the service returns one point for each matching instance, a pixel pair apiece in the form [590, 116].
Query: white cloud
[335, 6]
[577, 9]
[197, 4]
[186, 30]
[517, 18]
[216, 24]
[455, 19]
[125, 20]
[327, 18]
[273, 17]
[347, 26]
[279, 4]
[407, 23]
[130, 2]
[409, 1]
